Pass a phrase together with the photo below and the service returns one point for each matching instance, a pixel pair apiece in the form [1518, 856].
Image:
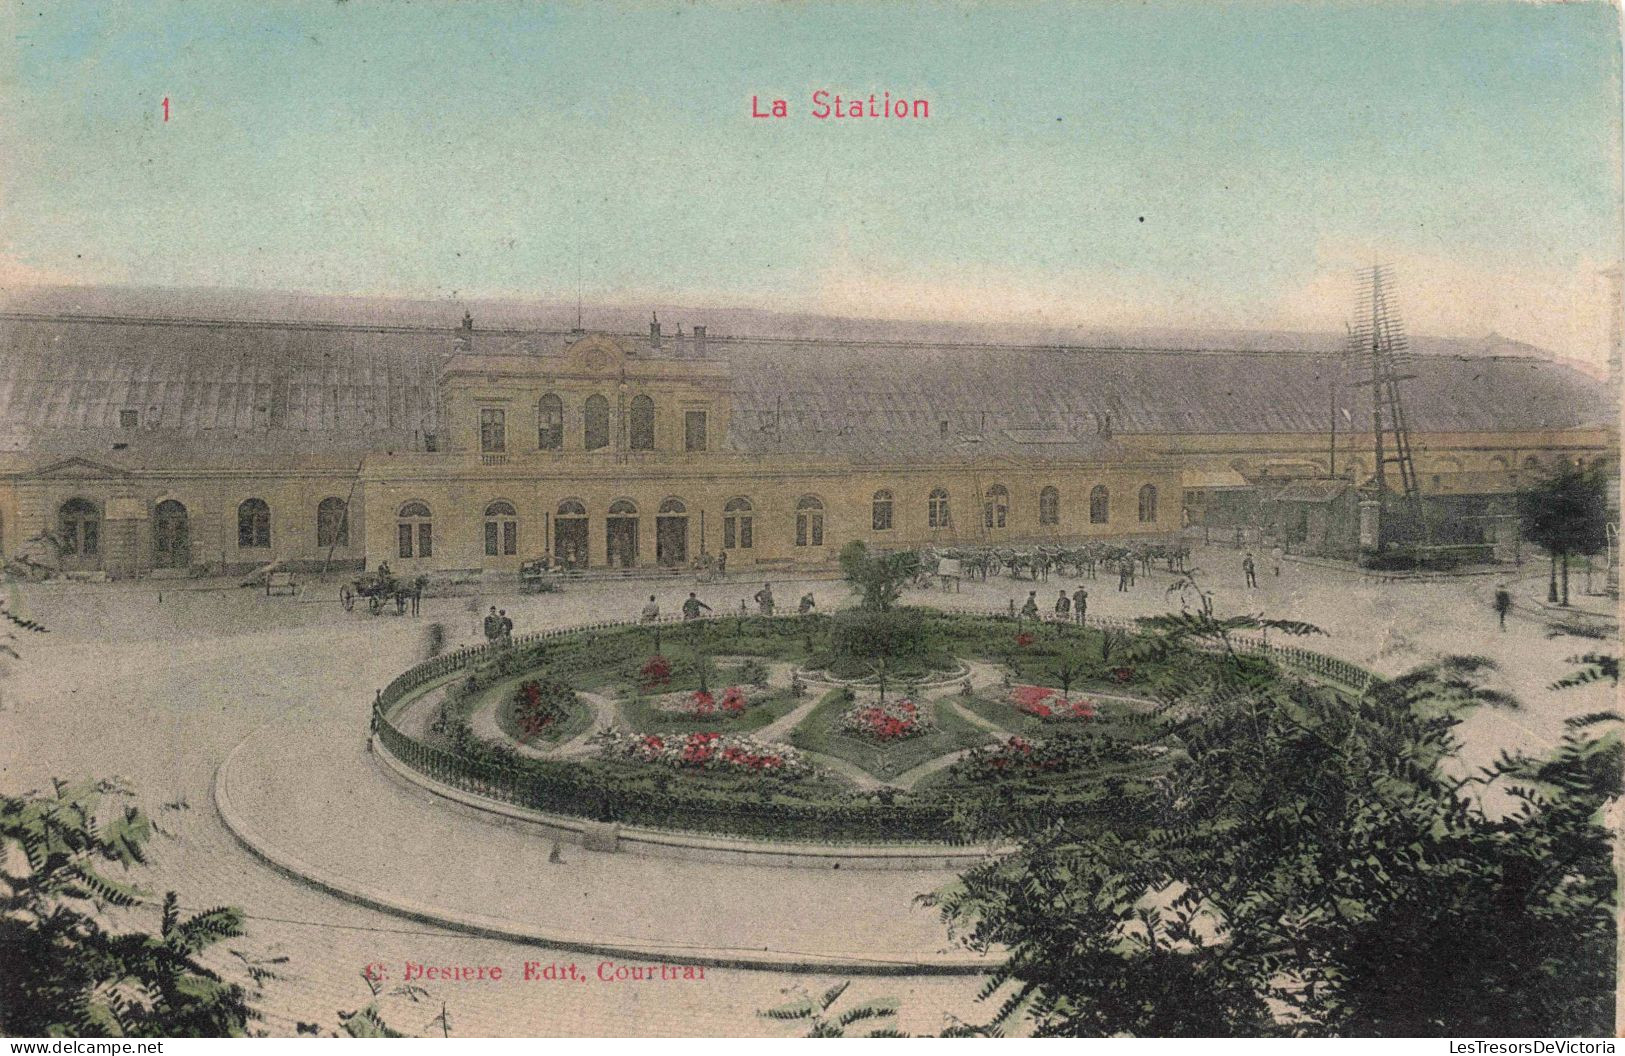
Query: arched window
[642, 425]
[672, 508]
[332, 523]
[414, 531]
[809, 521]
[79, 524]
[996, 508]
[736, 525]
[550, 423]
[880, 512]
[253, 524]
[1099, 504]
[1148, 503]
[936, 511]
[595, 431]
[1049, 506]
[623, 508]
[572, 508]
[501, 530]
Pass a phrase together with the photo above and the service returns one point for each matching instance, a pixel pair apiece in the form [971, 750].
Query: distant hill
[496, 313]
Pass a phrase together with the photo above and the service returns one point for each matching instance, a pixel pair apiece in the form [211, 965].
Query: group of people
[498, 627]
[693, 606]
[1249, 567]
[1067, 608]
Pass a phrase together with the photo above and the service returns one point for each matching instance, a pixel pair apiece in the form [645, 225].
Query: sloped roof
[272, 388]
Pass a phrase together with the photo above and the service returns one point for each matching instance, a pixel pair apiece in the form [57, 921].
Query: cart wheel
[375, 604]
[346, 597]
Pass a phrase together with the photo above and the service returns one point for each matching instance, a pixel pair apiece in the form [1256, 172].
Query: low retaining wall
[666, 843]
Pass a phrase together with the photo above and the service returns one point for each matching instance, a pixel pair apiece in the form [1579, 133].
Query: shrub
[867, 637]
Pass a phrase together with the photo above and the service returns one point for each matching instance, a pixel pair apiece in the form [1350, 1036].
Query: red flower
[1024, 639]
[656, 671]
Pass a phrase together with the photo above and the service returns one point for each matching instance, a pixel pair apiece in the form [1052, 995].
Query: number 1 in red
[166, 108]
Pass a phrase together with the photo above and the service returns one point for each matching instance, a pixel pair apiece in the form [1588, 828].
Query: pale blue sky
[481, 148]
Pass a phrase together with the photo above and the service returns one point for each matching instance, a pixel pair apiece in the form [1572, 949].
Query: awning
[1215, 480]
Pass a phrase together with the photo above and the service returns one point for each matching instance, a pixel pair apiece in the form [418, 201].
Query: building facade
[175, 447]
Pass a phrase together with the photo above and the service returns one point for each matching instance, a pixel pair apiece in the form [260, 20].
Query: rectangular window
[694, 431]
[801, 530]
[744, 533]
[510, 538]
[882, 517]
[728, 533]
[490, 538]
[493, 430]
[406, 540]
[425, 541]
[90, 538]
[129, 419]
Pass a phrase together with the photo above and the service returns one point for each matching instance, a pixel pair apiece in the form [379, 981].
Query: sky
[1115, 164]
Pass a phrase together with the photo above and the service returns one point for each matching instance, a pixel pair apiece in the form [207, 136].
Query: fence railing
[566, 789]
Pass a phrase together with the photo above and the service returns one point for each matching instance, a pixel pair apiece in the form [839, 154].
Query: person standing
[722, 563]
[1276, 554]
[651, 611]
[1063, 608]
[1122, 575]
[692, 607]
[492, 626]
[1503, 604]
[807, 603]
[505, 628]
[1080, 603]
[1249, 570]
[764, 599]
[1030, 609]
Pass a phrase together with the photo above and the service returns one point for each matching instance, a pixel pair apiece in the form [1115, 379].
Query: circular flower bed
[702, 751]
[1050, 705]
[886, 721]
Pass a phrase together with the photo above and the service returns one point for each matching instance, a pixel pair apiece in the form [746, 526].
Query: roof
[1313, 491]
[310, 387]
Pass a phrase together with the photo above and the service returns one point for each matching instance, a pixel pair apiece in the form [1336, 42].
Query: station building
[138, 446]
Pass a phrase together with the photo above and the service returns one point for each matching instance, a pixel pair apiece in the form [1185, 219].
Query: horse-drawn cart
[378, 588]
[540, 576]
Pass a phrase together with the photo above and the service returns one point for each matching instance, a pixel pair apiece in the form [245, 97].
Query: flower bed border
[701, 813]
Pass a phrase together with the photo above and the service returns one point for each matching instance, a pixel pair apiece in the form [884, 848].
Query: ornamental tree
[1566, 512]
[1307, 866]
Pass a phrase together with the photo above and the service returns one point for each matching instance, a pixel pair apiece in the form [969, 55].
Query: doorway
[171, 538]
[621, 541]
[570, 541]
[671, 534]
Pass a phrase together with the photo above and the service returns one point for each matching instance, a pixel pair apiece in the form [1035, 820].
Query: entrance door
[79, 530]
[621, 539]
[171, 538]
[570, 541]
[671, 534]
[671, 541]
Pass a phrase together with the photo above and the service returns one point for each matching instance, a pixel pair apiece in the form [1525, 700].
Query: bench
[281, 583]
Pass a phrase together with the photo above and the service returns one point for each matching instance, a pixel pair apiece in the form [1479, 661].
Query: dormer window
[129, 419]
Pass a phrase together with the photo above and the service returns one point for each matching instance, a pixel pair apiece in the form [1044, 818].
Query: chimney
[464, 342]
[654, 331]
[699, 341]
[677, 350]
